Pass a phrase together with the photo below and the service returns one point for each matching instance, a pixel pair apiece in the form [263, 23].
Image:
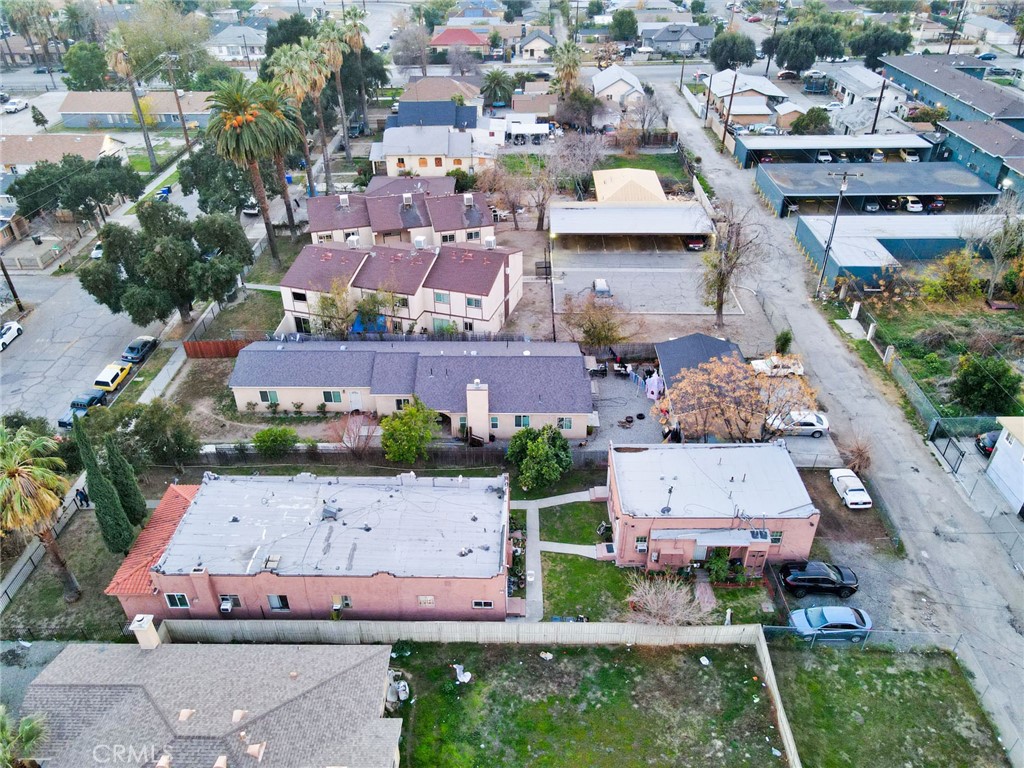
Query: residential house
[619, 86]
[429, 150]
[1006, 465]
[865, 118]
[187, 704]
[238, 45]
[965, 96]
[852, 84]
[986, 148]
[748, 110]
[12, 226]
[467, 38]
[447, 101]
[16, 52]
[673, 506]
[488, 389]
[429, 185]
[676, 356]
[18, 154]
[727, 84]
[100, 109]
[786, 113]
[543, 105]
[409, 217]
[471, 287]
[537, 46]
[991, 31]
[309, 547]
[681, 39]
[628, 185]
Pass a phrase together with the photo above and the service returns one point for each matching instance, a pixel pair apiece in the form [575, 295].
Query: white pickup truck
[776, 365]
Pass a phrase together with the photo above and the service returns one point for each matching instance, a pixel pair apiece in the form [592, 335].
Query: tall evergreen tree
[115, 529]
[125, 483]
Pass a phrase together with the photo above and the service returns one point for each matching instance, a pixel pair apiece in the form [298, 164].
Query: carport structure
[810, 187]
[804, 149]
[628, 227]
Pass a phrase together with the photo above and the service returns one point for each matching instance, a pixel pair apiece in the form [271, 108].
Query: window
[473, 234]
[1009, 437]
[353, 233]
[326, 237]
[483, 604]
[438, 162]
[462, 423]
[564, 422]
[402, 302]
[450, 238]
[343, 600]
[494, 422]
[467, 326]
[401, 402]
[401, 162]
[425, 601]
[440, 298]
[299, 296]
[235, 600]
[641, 543]
[474, 302]
[332, 396]
[268, 396]
[278, 602]
[302, 325]
[176, 600]
[522, 421]
[776, 537]
[458, 160]
[423, 162]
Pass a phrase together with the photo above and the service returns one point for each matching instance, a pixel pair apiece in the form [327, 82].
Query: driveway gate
[948, 446]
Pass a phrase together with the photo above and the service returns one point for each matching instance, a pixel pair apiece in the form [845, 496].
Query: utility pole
[682, 70]
[728, 111]
[707, 102]
[843, 186]
[170, 57]
[130, 77]
[775, 26]
[878, 108]
[21, 307]
[245, 47]
[959, 17]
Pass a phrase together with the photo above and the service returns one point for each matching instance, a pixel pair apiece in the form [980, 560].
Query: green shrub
[783, 342]
[274, 442]
[986, 385]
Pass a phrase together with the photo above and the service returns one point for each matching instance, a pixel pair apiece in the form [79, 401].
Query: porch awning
[711, 537]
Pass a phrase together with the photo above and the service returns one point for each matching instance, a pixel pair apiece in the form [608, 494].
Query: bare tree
[999, 226]
[461, 61]
[575, 157]
[743, 243]
[509, 188]
[355, 432]
[411, 49]
[667, 601]
[646, 114]
[595, 323]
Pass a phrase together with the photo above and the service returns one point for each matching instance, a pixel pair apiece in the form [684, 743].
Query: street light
[843, 186]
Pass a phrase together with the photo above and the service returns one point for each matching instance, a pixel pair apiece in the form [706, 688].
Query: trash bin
[288, 178]
[37, 239]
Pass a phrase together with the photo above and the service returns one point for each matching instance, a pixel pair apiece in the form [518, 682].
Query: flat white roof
[709, 481]
[404, 525]
[593, 218]
[888, 141]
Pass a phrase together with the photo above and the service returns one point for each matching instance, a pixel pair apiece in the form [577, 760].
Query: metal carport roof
[593, 218]
[810, 143]
[798, 180]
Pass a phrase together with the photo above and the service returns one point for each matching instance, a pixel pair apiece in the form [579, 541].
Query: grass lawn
[849, 707]
[746, 605]
[145, 375]
[39, 606]
[578, 585]
[265, 271]
[597, 707]
[664, 165]
[581, 479]
[574, 523]
[258, 311]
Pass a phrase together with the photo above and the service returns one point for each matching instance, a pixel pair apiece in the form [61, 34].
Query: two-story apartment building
[673, 506]
[484, 390]
[987, 148]
[429, 150]
[308, 547]
[466, 287]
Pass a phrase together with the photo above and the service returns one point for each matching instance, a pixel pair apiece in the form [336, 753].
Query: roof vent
[164, 761]
[468, 199]
[329, 512]
[238, 714]
[342, 201]
[465, 551]
[472, 353]
[407, 200]
[222, 762]
[476, 382]
[185, 714]
[490, 243]
[437, 250]
[272, 563]
[353, 241]
[257, 750]
[526, 353]
[419, 242]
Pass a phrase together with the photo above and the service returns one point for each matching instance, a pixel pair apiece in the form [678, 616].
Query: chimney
[407, 200]
[478, 415]
[145, 631]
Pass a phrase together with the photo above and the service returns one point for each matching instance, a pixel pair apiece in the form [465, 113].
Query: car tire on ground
[799, 593]
[844, 593]
[817, 433]
[856, 639]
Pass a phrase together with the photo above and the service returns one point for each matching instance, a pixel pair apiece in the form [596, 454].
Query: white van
[601, 289]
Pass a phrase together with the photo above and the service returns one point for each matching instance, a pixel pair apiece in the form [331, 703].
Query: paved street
[968, 582]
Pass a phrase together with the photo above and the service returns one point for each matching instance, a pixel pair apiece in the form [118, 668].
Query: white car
[15, 105]
[877, 156]
[776, 365]
[850, 489]
[97, 251]
[912, 204]
[813, 73]
[838, 60]
[824, 156]
[251, 208]
[8, 333]
[799, 423]
[832, 106]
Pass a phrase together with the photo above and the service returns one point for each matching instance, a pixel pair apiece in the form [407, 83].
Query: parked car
[767, 157]
[871, 205]
[832, 622]
[799, 423]
[251, 207]
[695, 243]
[910, 156]
[787, 74]
[778, 366]
[4, 97]
[911, 203]
[850, 489]
[986, 56]
[877, 156]
[754, 19]
[8, 333]
[769, 130]
[394, 107]
[47, 70]
[838, 60]
[164, 194]
[15, 105]
[986, 442]
[832, 106]
[542, 75]
[998, 72]
[935, 204]
[356, 129]
[80, 407]
[824, 156]
[816, 576]
[112, 376]
[139, 349]
[97, 251]
[759, 54]
[842, 157]
[890, 203]
[385, 47]
[814, 73]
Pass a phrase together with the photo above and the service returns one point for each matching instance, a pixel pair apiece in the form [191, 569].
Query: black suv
[80, 407]
[816, 576]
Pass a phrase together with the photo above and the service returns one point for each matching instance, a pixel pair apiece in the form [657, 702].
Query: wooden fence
[214, 347]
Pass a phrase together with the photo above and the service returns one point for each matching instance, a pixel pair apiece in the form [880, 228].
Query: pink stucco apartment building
[309, 547]
[671, 506]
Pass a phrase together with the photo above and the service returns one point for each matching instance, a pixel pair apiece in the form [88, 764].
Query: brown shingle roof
[326, 213]
[438, 89]
[120, 102]
[394, 269]
[450, 212]
[28, 150]
[318, 266]
[132, 577]
[467, 268]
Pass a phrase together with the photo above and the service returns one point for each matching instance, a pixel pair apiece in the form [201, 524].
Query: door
[355, 401]
[700, 553]
[755, 562]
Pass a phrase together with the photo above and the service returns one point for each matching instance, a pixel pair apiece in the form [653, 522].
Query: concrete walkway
[262, 287]
[583, 550]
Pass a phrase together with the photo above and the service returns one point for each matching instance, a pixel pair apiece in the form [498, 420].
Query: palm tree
[355, 31]
[288, 65]
[31, 491]
[316, 78]
[498, 86]
[333, 46]
[19, 743]
[286, 137]
[567, 58]
[20, 14]
[244, 133]
[117, 60]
